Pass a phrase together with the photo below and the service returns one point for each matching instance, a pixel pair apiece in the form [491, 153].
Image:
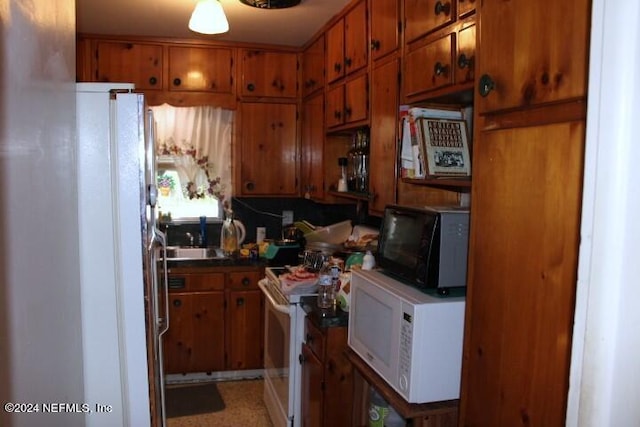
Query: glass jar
[229, 236]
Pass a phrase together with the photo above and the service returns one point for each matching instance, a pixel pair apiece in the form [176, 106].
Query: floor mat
[192, 400]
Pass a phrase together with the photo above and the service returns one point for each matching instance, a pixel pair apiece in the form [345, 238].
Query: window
[193, 150]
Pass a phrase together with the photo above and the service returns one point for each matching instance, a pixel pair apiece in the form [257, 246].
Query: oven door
[280, 319]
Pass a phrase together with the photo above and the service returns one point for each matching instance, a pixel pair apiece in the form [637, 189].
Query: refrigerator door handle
[162, 283]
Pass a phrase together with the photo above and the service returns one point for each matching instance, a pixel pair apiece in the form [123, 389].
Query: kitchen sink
[178, 252]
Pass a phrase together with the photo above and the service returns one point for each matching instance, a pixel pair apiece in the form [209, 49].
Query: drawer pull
[153, 81]
[442, 8]
[177, 303]
[485, 85]
[177, 82]
[246, 281]
[439, 69]
[463, 61]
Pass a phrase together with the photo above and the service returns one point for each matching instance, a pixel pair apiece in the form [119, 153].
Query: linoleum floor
[243, 407]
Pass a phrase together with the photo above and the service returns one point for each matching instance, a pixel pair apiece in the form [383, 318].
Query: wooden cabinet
[385, 22]
[125, 62]
[195, 341]
[268, 149]
[347, 43]
[347, 103]
[312, 143]
[430, 66]
[466, 7]
[525, 212]
[201, 69]
[383, 131]
[215, 321]
[326, 377]
[270, 74]
[313, 67]
[464, 61]
[425, 16]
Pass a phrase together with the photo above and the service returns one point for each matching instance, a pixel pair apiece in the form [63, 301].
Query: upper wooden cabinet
[201, 69]
[348, 102]
[425, 16]
[313, 67]
[347, 43]
[312, 144]
[269, 74]
[385, 19]
[267, 150]
[124, 62]
[517, 71]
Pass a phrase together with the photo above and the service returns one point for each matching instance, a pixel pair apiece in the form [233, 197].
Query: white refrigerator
[123, 267]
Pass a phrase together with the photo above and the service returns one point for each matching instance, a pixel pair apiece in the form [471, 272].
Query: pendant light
[208, 18]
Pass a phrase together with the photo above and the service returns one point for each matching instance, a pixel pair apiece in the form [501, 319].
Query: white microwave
[411, 339]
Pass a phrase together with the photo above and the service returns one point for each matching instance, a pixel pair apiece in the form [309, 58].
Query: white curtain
[199, 141]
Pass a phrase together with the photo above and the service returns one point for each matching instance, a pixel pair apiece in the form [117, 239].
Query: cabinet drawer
[424, 16]
[196, 282]
[429, 66]
[244, 280]
[314, 339]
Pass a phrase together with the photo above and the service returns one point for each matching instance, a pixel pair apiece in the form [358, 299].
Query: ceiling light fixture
[208, 18]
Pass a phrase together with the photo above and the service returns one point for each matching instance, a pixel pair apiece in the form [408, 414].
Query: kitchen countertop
[216, 262]
[324, 318]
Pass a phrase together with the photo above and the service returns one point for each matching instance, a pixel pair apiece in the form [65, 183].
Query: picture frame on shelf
[446, 147]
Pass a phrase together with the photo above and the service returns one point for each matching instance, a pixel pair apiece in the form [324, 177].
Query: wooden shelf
[461, 185]
[350, 195]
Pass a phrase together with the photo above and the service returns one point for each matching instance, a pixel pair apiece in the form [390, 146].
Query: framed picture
[446, 147]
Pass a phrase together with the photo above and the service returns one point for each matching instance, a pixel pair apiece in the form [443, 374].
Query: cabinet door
[384, 27]
[268, 149]
[384, 124]
[201, 69]
[124, 62]
[334, 112]
[245, 330]
[429, 67]
[425, 16]
[522, 274]
[356, 95]
[335, 51]
[269, 74]
[195, 339]
[524, 64]
[313, 67]
[312, 389]
[356, 41]
[312, 142]
[466, 55]
[466, 7]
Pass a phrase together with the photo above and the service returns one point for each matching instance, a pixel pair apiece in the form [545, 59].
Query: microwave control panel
[406, 344]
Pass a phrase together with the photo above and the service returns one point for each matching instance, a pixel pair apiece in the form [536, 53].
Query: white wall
[40, 347]
[605, 366]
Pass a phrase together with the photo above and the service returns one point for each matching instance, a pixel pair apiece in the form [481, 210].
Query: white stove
[284, 335]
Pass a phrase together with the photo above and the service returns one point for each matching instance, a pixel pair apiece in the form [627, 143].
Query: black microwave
[425, 247]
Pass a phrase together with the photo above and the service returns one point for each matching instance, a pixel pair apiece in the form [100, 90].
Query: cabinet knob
[347, 62]
[177, 82]
[347, 112]
[177, 303]
[485, 85]
[308, 338]
[251, 87]
[375, 44]
[153, 81]
[463, 61]
[439, 69]
[337, 67]
[249, 186]
[442, 8]
[301, 359]
[337, 114]
[239, 302]
[246, 281]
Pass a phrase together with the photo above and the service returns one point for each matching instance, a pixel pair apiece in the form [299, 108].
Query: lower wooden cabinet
[215, 321]
[327, 387]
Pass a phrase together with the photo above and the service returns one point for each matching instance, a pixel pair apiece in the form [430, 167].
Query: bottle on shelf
[328, 285]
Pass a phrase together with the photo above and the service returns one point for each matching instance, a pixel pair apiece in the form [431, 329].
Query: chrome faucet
[190, 237]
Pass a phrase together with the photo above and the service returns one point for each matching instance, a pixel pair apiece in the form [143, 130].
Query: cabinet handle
[347, 112]
[442, 8]
[153, 81]
[463, 61]
[239, 302]
[246, 281]
[337, 114]
[251, 87]
[375, 44]
[337, 67]
[308, 338]
[177, 82]
[177, 303]
[301, 358]
[485, 85]
[347, 62]
[439, 69]
[250, 186]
